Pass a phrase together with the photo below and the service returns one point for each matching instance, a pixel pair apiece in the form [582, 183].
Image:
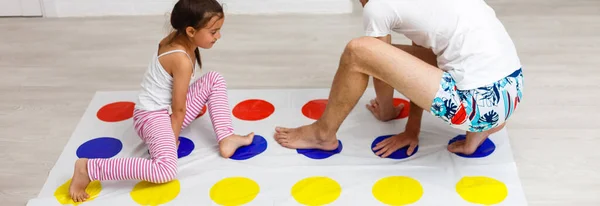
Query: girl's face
[207, 36]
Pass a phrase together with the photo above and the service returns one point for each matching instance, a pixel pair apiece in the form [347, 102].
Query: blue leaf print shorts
[479, 109]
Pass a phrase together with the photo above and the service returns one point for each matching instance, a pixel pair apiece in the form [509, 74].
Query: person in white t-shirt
[462, 67]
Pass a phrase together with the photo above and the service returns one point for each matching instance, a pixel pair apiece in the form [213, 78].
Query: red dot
[314, 108]
[405, 110]
[116, 111]
[202, 112]
[253, 109]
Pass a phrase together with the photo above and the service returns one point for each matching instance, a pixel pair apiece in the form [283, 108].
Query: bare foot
[468, 146]
[472, 142]
[384, 112]
[80, 181]
[230, 144]
[305, 137]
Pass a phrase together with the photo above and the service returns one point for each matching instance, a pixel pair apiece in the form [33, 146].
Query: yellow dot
[234, 191]
[147, 193]
[316, 191]
[62, 193]
[481, 190]
[397, 190]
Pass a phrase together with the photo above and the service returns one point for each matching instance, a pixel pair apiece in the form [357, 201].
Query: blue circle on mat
[486, 148]
[398, 154]
[258, 145]
[320, 154]
[186, 146]
[102, 147]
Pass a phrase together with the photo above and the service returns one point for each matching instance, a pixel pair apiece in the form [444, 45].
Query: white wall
[79, 8]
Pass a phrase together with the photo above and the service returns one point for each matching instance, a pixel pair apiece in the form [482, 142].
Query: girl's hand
[180, 67]
[393, 143]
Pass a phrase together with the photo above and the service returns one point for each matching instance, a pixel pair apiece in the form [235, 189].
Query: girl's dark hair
[194, 13]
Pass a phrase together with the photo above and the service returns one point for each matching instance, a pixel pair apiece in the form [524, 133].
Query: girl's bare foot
[79, 181]
[383, 112]
[228, 145]
[305, 137]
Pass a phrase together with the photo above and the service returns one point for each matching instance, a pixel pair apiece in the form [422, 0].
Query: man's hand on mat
[393, 143]
[384, 112]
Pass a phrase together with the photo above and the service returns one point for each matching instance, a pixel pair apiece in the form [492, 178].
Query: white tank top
[157, 85]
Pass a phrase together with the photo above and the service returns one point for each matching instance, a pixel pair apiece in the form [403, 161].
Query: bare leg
[382, 107]
[364, 57]
[472, 142]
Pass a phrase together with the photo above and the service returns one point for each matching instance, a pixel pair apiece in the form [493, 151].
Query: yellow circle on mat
[64, 197]
[316, 191]
[481, 190]
[147, 193]
[397, 190]
[234, 191]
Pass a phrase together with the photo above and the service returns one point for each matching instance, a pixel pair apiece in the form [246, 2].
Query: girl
[169, 101]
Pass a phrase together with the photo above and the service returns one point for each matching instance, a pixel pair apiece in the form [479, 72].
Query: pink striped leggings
[154, 128]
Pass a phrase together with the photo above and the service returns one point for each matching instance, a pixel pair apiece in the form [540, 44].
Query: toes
[282, 129]
[373, 102]
[83, 196]
[372, 110]
[281, 141]
[400, 106]
[456, 147]
[279, 136]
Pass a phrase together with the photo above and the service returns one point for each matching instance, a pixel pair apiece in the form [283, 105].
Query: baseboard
[84, 8]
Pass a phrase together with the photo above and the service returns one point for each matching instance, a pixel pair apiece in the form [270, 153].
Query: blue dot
[102, 147]
[398, 154]
[320, 154]
[258, 145]
[186, 146]
[486, 148]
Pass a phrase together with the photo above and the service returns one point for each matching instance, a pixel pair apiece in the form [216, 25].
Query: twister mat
[264, 173]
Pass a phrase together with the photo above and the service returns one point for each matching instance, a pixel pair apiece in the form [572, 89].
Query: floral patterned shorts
[479, 109]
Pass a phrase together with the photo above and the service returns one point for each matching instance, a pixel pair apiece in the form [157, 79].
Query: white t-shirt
[470, 42]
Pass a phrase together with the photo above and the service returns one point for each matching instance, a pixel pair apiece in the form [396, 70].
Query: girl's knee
[164, 170]
[164, 174]
[215, 77]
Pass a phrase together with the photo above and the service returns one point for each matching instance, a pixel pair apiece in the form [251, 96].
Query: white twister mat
[281, 176]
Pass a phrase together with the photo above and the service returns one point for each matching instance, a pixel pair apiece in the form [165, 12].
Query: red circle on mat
[116, 111]
[405, 109]
[253, 109]
[314, 108]
[201, 112]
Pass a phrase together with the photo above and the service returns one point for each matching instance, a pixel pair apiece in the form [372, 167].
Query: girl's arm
[181, 69]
